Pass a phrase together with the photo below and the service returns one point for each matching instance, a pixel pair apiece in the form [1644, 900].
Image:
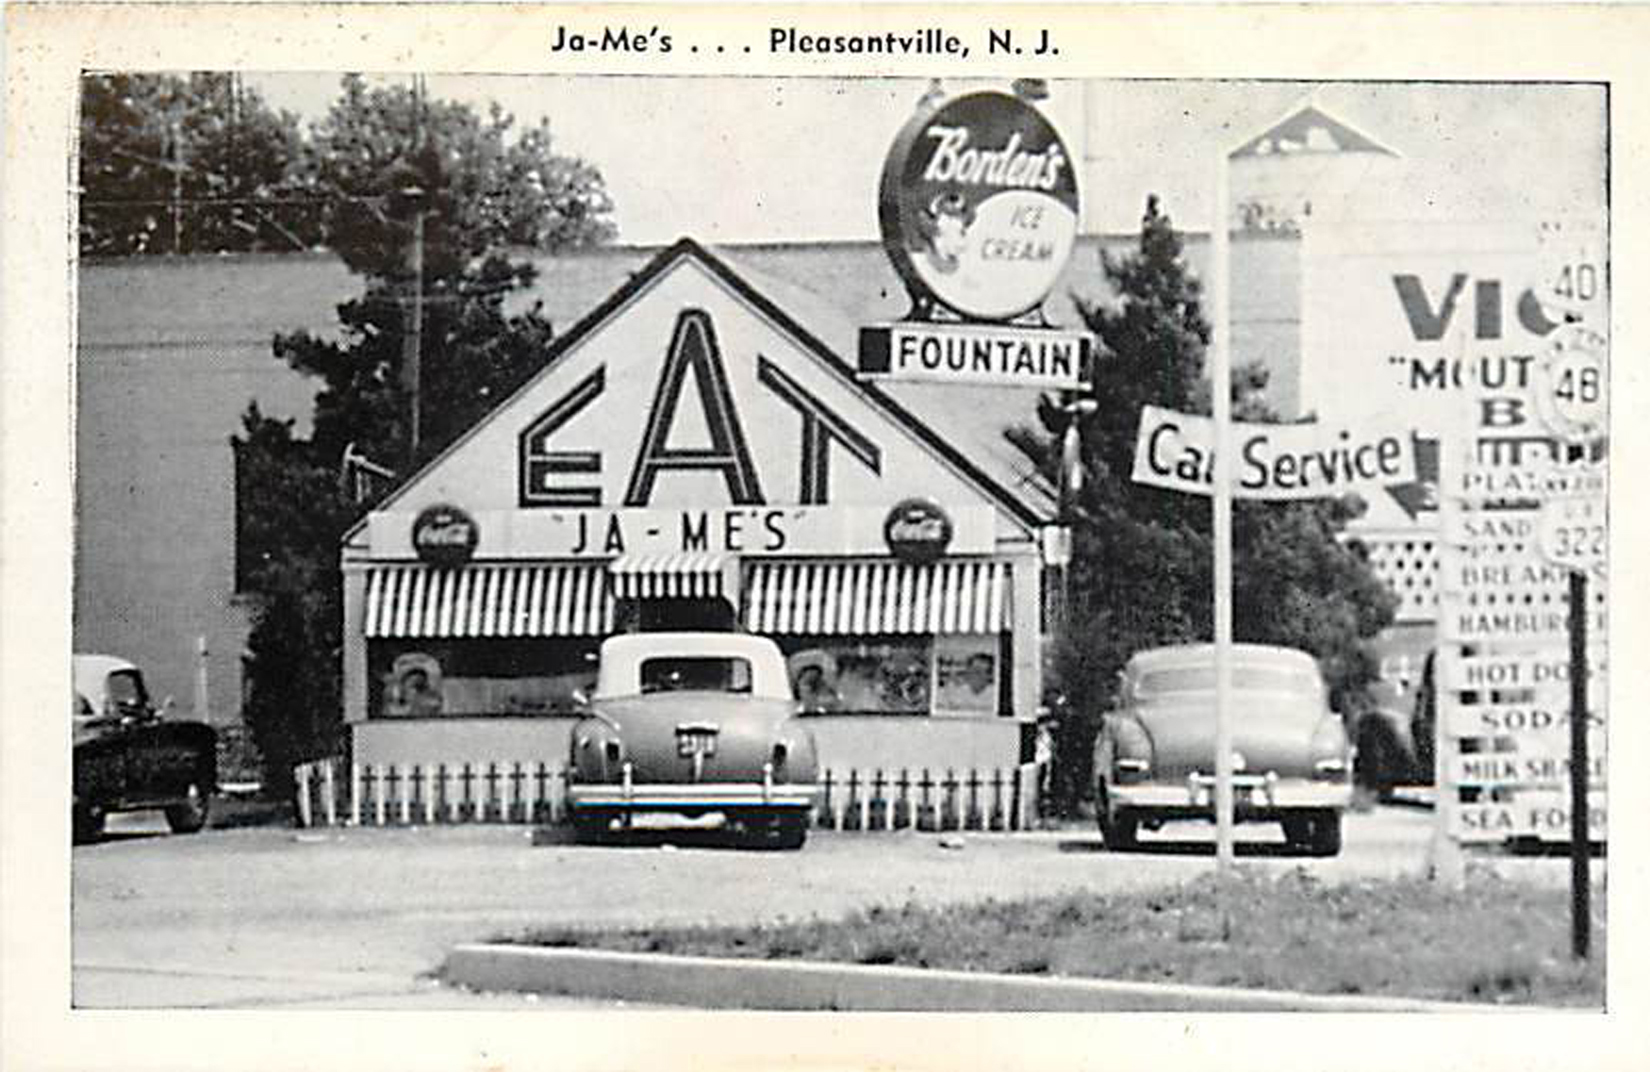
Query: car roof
[684, 643]
[1202, 654]
[90, 672]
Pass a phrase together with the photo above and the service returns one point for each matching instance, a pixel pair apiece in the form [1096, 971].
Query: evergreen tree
[392, 169]
[1141, 570]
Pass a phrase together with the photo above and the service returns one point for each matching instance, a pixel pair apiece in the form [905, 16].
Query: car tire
[790, 832]
[1118, 829]
[590, 828]
[191, 815]
[1325, 838]
[87, 823]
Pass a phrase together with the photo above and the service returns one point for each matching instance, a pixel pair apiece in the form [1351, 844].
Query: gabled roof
[993, 488]
[1310, 131]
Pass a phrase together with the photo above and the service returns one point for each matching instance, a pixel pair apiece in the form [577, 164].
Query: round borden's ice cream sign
[979, 206]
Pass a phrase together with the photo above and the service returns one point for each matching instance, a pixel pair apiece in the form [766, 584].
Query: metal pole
[1220, 375]
[1581, 908]
[1448, 863]
[414, 352]
[202, 712]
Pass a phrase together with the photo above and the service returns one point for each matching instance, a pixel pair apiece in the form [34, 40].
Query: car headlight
[1331, 759]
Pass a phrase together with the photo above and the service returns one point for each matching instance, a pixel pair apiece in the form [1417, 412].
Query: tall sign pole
[1220, 375]
[1581, 899]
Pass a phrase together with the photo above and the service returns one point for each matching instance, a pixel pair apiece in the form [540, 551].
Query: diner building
[700, 452]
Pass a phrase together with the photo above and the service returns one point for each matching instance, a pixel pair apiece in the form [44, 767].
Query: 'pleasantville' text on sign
[1274, 461]
[1011, 357]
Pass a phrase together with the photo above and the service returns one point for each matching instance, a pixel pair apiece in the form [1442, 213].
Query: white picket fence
[333, 793]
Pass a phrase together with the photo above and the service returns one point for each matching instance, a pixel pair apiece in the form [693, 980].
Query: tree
[1142, 556]
[391, 169]
[188, 164]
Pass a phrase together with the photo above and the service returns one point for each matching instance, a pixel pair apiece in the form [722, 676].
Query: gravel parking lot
[353, 918]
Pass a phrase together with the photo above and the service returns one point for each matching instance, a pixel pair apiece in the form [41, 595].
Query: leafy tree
[188, 164]
[390, 166]
[1141, 571]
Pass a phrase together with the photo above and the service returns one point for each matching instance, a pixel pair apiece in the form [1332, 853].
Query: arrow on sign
[1421, 494]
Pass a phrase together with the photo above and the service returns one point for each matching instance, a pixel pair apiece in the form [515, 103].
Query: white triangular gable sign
[687, 419]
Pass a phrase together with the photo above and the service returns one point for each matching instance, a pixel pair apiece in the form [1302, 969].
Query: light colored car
[128, 758]
[1154, 758]
[693, 724]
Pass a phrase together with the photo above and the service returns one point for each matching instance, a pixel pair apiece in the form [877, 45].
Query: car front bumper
[1254, 796]
[693, 796]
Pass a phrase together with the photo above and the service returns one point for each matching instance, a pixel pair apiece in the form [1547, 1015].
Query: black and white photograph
[924, 524]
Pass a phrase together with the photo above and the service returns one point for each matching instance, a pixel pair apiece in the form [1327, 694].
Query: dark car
[1154, 758]
[128, 758]
[694, 725]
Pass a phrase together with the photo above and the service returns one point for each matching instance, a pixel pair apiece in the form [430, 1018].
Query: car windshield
[1202, 679]
[699, 673]
[126, 688]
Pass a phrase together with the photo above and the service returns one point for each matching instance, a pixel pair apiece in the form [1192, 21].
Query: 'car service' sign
[1273, 461]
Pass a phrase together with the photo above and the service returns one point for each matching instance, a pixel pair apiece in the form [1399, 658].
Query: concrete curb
[726, 983]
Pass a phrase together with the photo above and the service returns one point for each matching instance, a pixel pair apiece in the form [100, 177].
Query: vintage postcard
[642, 519]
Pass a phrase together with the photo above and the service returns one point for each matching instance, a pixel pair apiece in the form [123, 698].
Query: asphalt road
[270, 917]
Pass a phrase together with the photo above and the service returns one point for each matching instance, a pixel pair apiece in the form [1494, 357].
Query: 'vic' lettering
[1428, 323]
[693, 348]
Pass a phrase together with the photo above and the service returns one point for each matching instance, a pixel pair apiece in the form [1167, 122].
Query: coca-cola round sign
[978, 206]
[444, 536]
[917, 530]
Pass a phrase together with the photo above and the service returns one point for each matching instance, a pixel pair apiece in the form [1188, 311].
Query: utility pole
[413, 339]
[176, 131]
[412, 353]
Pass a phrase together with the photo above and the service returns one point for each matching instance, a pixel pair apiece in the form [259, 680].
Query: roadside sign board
[1511, 671]
[1542, 814]
[1479, 485]
[1538, 719]
[1525, 768]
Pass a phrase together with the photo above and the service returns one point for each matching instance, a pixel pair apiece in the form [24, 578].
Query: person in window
[814, 689]
[980, 677]
[418, 696]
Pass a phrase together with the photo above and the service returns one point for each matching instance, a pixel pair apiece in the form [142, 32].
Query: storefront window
[470, 678]
[897, 675]
[965, 675]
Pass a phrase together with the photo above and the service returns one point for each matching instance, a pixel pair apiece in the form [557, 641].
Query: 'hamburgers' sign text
[978, 206]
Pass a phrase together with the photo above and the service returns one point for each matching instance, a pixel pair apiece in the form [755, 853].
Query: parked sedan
[128, 758]
[693, 724]
[1154, 757]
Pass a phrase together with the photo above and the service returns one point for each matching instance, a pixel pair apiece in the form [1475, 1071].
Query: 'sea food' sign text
[1273, 461]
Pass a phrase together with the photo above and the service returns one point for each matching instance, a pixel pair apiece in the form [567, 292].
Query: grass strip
[1494, 941]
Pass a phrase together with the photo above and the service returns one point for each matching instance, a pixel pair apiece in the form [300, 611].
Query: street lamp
[1070, 479]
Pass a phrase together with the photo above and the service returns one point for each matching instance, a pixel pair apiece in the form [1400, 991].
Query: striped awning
[488, 601]
[860, 598]
[689, 574]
